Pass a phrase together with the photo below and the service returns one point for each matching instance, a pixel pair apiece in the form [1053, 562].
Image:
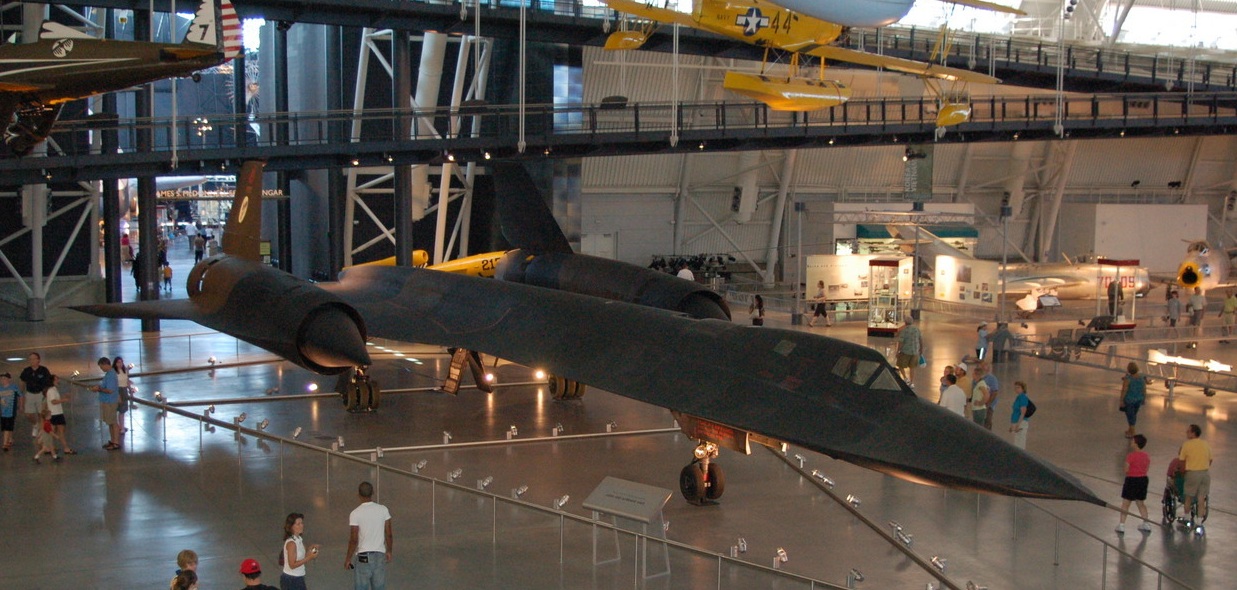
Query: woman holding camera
[294, 555]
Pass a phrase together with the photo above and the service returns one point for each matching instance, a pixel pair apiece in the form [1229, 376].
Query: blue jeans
[1131, 412]
[372, 575]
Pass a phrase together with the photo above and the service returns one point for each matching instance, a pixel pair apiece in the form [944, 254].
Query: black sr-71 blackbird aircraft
[729, 384]
[65, 64]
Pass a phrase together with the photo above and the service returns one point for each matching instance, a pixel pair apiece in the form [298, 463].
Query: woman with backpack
[1133, 394]
[1020, 419]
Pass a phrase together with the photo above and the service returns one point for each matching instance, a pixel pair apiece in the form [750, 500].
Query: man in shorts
[109, 397]
[1196, 455]
[1228, 315]
[910, 346]
[36, 378]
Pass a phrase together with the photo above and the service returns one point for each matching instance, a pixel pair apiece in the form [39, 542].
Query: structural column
[401, 66]
[111, 212]
[337, 189]
[148, 227]
[109, 144]
[284, 205]
[35, 196]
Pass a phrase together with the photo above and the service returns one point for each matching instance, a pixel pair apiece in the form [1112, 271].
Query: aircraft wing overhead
[1047, 280]
[791, 386]
[642, 10]
[55, 30]
[176, 309]
[897, 64]
[183, 53]
[527, 222]
[18, 87]
[992, 6]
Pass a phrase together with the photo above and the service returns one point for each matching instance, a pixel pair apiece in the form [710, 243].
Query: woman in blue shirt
[9, 396]
[1018, 420]
[1133, 394]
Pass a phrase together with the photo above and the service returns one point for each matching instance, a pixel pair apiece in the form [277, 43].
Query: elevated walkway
[317, 140]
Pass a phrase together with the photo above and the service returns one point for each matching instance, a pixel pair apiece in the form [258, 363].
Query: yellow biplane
[768, 25]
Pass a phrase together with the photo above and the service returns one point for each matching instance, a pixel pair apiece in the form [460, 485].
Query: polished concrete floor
[116, 519]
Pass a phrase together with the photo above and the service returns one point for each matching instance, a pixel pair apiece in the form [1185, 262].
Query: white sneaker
[1145, 527]
[1121, 529]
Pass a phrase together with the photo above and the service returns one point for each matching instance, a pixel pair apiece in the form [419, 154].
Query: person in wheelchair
[1173, 494]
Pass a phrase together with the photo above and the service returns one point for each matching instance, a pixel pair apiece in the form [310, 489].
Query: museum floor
[111, 520]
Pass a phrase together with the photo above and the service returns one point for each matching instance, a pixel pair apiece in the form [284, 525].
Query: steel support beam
[779, 211]
[282, 179]
[401, 72]
[1063, 163]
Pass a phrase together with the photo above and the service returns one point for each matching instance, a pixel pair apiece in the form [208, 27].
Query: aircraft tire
[562, 389]
[575, 389]
[691, 483]
[375, 394]
[716, 482]
[352, 398]
[365, 393]
[558, 387]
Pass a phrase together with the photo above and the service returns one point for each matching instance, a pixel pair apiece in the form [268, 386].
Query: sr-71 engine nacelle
[611, 279]
[287, 315]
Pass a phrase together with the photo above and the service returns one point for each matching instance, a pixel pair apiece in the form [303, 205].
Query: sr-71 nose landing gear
[703, 481]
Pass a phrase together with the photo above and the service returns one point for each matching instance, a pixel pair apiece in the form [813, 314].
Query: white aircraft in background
[1066, 280]
[1204, 267]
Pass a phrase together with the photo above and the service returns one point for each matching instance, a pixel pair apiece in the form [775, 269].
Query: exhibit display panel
[845, 277]
[970, 281]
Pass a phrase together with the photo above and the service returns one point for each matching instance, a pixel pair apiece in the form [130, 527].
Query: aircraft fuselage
[851, 13]
[62, 70]
[765, 25]
[1203, 267]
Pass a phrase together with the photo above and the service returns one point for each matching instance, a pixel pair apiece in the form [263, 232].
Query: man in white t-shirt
[685, 273]
[953, 398]
[370, 542]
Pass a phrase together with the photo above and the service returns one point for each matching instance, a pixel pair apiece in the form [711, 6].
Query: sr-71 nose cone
[920, 441]
[331, 339]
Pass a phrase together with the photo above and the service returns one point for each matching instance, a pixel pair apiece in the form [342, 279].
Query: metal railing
[903, 543]
[509, 520]
[1063, 347]
[548, 126]
[1037, 54]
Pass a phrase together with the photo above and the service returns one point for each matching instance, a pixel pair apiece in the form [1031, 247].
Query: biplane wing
[897, 64]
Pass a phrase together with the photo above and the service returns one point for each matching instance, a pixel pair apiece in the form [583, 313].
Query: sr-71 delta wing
[65, 64]
[730, 384]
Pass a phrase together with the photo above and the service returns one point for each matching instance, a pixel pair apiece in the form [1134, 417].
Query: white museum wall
[1154, 234]
[641, 224]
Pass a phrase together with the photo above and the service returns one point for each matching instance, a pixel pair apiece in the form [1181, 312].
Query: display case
[890, 282]
[1116, 289]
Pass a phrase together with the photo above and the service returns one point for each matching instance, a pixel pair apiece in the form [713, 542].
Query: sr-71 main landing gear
[703, 481]
[565, 389]
[359, 392]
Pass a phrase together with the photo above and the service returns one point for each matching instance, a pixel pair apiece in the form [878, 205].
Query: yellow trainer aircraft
[477, 265]
[769, 25]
